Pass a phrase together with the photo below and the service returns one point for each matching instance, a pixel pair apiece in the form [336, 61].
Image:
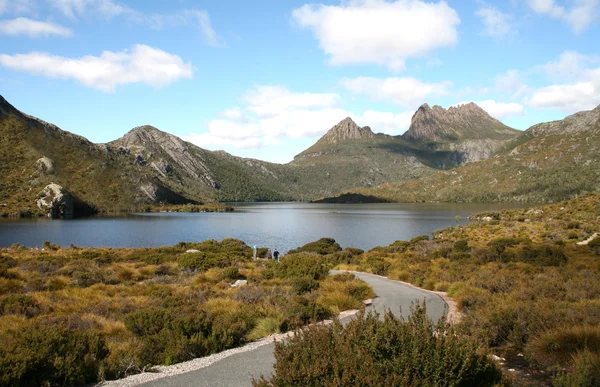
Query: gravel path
[237, 367]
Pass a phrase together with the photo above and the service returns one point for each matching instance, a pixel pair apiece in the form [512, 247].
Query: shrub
[19, 304]
[6, 263]
[323, 246]
[585, 371]
[301, 266]
[50, 354]
[378, 265]
[303, 285]
[392, 352]
[300, 310]
[461, 245]
[556, 348]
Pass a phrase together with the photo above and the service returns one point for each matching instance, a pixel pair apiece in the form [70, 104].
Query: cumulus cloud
[142, 64]
[386, 122]
[579, 16]
[512, 83]
[32, 28]
[274, 114]
[377, 31]
[498, 110]
[569, 97]
[497, 24]
[406, 91]
[577, 84]
[268, 101]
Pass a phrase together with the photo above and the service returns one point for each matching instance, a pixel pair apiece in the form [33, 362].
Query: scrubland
[71, 316]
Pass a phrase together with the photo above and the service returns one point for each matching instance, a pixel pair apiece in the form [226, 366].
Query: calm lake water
[277, 225]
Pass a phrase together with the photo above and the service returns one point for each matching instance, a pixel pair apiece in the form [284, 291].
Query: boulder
[57, 201]
[45, 166]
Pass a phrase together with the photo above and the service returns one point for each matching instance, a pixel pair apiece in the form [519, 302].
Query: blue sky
[265, 79]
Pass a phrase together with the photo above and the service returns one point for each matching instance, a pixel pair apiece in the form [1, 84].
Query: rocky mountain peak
[460, 122]
[347, 129]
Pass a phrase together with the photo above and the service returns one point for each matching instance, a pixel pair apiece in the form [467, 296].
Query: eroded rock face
[57, 201]
[347, 130]
[45, 166]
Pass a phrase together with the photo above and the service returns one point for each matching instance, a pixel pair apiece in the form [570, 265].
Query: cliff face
[467, 130]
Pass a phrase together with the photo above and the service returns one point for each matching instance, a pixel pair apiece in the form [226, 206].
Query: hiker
[269, 254]
[276, 255]
[254, 253]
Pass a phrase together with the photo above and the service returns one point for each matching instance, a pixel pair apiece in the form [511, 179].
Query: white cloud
[143, 64]
[386, 122]
[577, 84]
[569, 66]
[104, 8]
[569, 97]
[578, 17]
[109, 9]
[405, 91]
[271, 114]
[268, 101]
[376, 31]
[497, 24]
[16, 7]
[498, 110]
[511, 82]
[32, 28]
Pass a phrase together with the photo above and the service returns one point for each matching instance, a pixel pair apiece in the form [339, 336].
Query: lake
[277, 225]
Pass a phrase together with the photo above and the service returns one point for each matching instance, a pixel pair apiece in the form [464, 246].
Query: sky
[265, 79]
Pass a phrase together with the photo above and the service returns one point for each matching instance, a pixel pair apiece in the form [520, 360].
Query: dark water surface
[277, 225]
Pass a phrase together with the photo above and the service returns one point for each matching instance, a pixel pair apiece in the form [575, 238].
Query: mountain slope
[467, 130]
[548, 162]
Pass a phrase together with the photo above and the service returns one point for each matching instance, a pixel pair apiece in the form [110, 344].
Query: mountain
[41, 162]
[548, 162]
[467, 130]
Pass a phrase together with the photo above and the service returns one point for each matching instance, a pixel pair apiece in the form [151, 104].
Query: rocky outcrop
[149, 143]
[468, 131]
[576, 123]
[347, 130]
[457, 123]
[45, 166]
[57, 201]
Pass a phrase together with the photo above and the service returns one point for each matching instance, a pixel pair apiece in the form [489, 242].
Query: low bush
[301, 266]
[19, 304]
[50, 354]
[389, 352]
[323, 246]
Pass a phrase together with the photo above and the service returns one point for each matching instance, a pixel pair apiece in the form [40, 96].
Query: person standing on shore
[276, 255]
[269, 254]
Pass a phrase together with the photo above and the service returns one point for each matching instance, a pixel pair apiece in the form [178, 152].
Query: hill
[548, 162]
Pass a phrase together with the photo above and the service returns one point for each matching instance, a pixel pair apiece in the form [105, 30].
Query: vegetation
[389, 352]
[521, 279]
[79, 315]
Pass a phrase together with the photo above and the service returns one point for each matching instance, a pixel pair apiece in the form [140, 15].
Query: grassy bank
[74, 316]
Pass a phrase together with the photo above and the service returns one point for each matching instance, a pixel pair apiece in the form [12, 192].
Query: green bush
[304, 285]
[301, 266]
[323, 246]
[301, 310]
[372, 352]
[19, 304]
[378, 265]
[50, 354]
